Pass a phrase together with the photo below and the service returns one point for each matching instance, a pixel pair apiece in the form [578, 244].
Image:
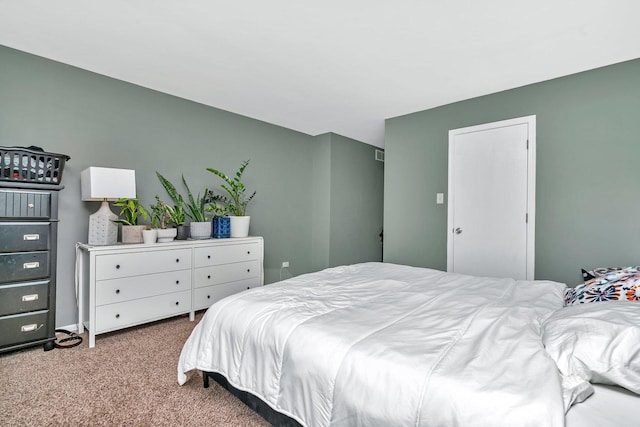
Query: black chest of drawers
[28, 240]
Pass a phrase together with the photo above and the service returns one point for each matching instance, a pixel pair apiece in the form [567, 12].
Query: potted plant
[238, 200]
[176, 213]
[159, 218]
[130, 211]
[219, 211]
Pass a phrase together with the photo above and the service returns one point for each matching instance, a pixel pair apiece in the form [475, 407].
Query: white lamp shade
[99, 184]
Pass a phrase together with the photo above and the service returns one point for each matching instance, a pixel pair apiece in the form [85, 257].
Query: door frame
[531, 185]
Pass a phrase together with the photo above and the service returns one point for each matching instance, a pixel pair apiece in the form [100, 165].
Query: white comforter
[382, 345]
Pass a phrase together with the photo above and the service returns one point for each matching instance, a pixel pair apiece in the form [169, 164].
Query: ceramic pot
[240, 226]
[221, 227]
[149, 236]
[132, 233]
[182, 232]
[166, 235]
[200, 230]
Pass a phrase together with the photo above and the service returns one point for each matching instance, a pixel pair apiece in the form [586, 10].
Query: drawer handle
[248, 252]
[177, 303]
[28, 265]
[177, 259]
[248, 287]
[117, 291]
[117, 316]
[248, 270]
[117, 266]
[177, 282]
[31, 206]
[208, 256]
[29, 298]
[208, 276]
[31, 237]
[208, 296]
[30, 328]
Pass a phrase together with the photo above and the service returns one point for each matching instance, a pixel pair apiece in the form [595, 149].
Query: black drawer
[24, 266]
[24, 204]
[21, 328]
[24, 297]
[24, 236]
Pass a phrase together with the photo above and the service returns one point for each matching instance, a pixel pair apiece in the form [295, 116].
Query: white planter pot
[200, 230]
[132, 233]
[240, 226]
[149, 236]
[166, 235]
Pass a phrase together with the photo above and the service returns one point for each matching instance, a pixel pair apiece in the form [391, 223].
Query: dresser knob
[248, 252]
[208, 296]
[248, 270]
[177, 282]
[31, 206]
[118, 267]
[177, 303]
[209, 276]
[117, 316]
[177, 259]
[208, 256]
[248, 287]
[117, 291]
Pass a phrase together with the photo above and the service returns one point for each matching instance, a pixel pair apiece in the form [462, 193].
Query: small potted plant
[130, 211]
[177, 214]
[159, 219]
[238, 200]
[221, 222]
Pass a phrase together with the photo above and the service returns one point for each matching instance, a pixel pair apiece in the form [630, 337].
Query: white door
[491, 199]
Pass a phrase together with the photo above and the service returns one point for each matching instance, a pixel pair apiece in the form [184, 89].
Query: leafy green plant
[236, 190]
[219, 207]
[130, 210]
[197, 206]
[159, 214]
[177, 213]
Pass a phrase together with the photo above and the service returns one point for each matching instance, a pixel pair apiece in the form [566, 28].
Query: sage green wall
[588, 180]
[100, 121]
[357, 200]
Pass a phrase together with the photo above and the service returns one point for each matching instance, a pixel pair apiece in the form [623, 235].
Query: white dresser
[129, 284]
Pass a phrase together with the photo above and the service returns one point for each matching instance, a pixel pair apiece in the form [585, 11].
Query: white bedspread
[381, 345]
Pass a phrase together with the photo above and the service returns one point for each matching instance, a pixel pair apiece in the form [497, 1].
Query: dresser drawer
[138, 263]
[216, 255]
[204, 297]
[129, 288]
[219, 274]
[24, 297]
[24, 236]
[23, 266]
[25, 204]
[129, 313]
[21, 328]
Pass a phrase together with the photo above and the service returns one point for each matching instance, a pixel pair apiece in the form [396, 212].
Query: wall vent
[380, 155]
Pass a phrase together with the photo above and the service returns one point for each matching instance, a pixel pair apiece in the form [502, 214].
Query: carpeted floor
[127, 379]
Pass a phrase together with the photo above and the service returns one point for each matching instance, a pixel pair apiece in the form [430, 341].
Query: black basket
[31, 164]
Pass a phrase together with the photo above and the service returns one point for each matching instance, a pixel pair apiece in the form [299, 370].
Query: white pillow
[599, 343]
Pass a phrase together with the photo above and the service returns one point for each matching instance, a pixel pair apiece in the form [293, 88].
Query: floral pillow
[611, 284]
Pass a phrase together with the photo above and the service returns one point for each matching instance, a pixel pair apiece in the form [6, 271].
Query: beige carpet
[127, 379]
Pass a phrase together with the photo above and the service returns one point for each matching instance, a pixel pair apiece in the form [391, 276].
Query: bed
[379, 344]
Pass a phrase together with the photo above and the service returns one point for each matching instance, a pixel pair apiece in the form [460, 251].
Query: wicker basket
[31, 164]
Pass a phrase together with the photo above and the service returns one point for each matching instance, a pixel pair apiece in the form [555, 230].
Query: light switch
[440, 198]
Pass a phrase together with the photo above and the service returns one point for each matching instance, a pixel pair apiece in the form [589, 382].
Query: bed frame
[255, 403]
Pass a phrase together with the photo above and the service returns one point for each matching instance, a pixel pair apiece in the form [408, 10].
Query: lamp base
[102, 229]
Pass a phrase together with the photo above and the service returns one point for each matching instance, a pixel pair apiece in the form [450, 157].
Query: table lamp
[104, 185]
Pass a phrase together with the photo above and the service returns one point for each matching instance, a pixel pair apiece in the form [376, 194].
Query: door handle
[458, 230]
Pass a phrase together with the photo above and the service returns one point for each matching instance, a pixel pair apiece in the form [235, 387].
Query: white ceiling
[338, 66]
